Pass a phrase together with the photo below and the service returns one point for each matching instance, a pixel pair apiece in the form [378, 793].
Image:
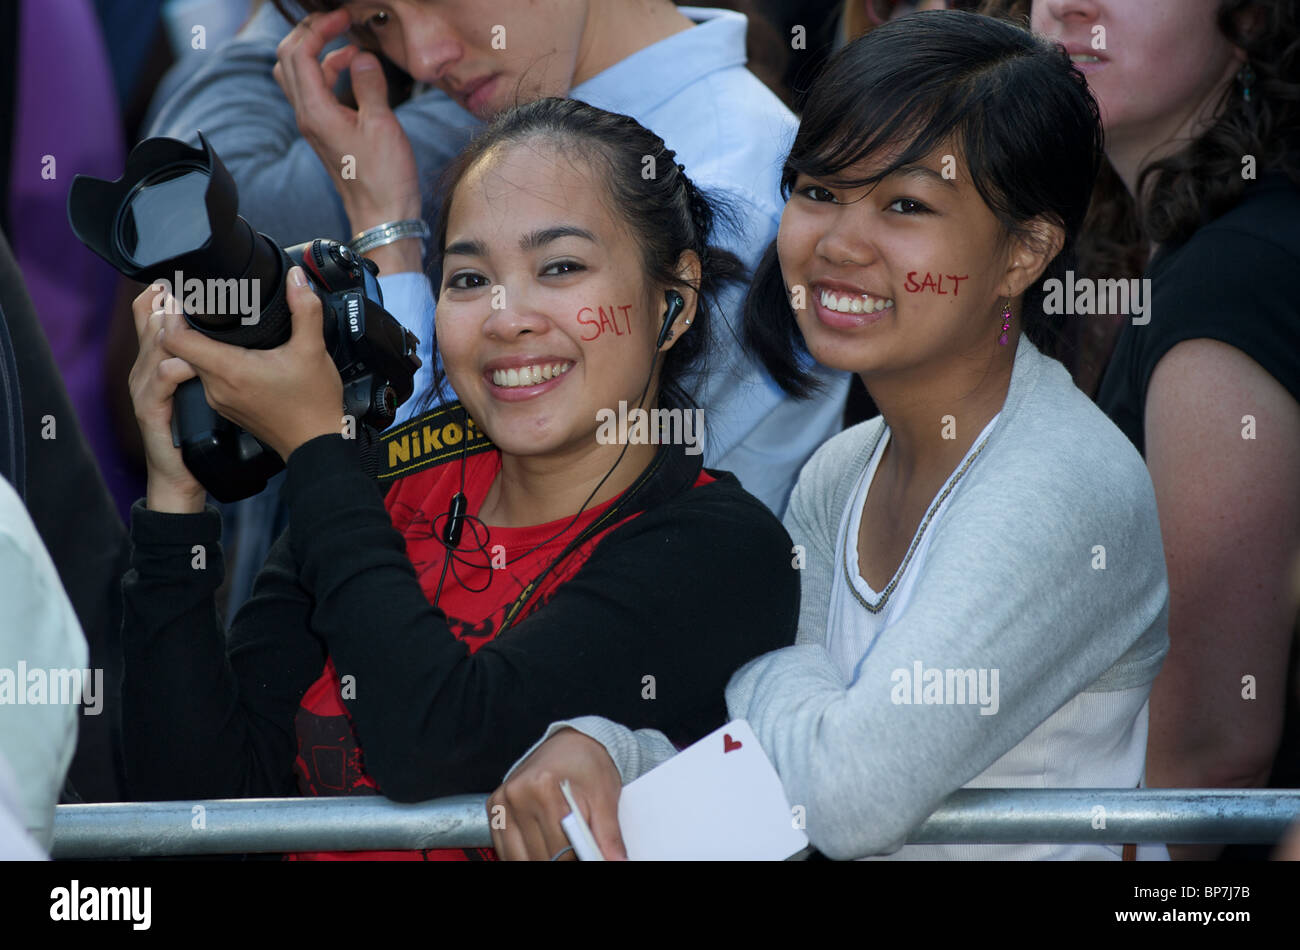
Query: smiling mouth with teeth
[533, 375]
[860, 303]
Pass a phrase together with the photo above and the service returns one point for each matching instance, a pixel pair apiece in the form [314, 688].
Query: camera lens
[164, 217]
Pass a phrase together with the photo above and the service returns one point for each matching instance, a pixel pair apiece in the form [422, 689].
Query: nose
[510, 317]
[432, 47]
[847, 239]
[1045, 12]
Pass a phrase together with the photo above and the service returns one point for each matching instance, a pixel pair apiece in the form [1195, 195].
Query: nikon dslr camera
[172, 217]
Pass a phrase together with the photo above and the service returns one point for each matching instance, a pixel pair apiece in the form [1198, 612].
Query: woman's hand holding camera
[153, 381]
[381, 183]
[285, 396]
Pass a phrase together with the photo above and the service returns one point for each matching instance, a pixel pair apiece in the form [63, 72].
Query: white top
[854, 629]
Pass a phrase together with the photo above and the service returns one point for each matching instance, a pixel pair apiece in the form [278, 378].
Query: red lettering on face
[590, 323]
[607, 320]
[934, 283]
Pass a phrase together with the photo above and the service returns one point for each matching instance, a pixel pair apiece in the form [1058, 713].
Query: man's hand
[525, 812]
[365, 150]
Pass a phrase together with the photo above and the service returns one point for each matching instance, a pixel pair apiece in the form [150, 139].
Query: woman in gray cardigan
[984, 598]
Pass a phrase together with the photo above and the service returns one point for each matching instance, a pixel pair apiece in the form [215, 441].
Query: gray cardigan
[1012, 582]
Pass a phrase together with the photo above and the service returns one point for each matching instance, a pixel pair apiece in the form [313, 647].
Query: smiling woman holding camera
[384, 651]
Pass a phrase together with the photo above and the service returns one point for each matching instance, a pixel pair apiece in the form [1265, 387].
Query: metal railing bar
[365, 823]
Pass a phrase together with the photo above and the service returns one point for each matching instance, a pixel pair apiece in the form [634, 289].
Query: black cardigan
[696, 585]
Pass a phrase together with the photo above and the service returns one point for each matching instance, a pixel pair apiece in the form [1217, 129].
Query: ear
[688, 272]
[1251, 21]
[1029, 251]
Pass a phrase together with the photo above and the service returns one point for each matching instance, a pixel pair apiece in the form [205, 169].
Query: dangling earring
[1246, 76]
[1006, 323]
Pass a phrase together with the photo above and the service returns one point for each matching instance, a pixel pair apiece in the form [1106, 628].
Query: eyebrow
[466, 249]
[546, 235]
[924, 173]
[529, 242]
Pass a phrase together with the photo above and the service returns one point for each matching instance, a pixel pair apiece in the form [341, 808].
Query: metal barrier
[364, 823]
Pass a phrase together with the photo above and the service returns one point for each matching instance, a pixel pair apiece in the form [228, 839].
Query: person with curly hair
[1201, 110]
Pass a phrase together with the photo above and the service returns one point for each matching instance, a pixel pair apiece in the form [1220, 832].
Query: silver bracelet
[388, 233]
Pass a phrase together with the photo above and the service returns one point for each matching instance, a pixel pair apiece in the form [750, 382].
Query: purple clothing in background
[67, 108]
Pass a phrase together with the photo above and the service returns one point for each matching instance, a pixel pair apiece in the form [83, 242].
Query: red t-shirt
[475, 598]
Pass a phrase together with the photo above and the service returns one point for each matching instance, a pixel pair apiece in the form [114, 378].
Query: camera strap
[431, 438]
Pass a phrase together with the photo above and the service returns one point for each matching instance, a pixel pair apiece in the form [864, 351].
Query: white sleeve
[41, 648]
[635, 752]
[15, 842]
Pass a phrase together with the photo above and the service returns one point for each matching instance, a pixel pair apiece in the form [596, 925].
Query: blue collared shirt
[731, 134]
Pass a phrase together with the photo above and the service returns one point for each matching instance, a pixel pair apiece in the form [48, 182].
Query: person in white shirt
[42, 648]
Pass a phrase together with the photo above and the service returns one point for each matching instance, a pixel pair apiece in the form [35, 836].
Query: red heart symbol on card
[729, 744]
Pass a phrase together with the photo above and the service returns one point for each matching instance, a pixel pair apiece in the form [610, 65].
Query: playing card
[719, 799]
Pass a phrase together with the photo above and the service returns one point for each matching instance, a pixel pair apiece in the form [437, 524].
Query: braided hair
[698, 206]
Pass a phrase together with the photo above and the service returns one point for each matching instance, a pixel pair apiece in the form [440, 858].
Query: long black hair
[1021, 113]
[660, 205]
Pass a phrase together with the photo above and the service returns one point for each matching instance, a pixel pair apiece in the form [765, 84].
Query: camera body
[361, 338]
[172, 215]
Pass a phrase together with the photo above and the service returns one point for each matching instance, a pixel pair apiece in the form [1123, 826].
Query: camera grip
[228, 461]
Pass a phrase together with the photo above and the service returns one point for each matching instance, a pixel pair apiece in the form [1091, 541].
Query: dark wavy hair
[664, 211]
[1203, 180]
[1022, 115]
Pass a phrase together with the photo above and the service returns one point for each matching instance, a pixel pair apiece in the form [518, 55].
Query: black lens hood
[95, 207]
